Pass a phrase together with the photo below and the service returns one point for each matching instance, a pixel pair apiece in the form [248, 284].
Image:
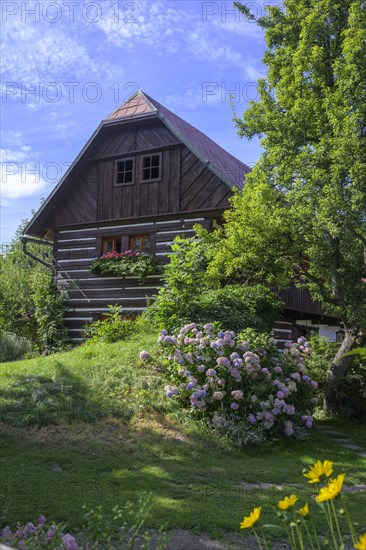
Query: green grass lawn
[92, 426]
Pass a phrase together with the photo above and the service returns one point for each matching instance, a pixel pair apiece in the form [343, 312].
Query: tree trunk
[337, 372]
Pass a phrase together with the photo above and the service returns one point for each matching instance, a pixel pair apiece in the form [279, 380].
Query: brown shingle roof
[133, 107]
[226, 166]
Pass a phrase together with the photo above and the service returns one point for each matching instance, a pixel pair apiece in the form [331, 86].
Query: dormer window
[124, 171]
[151, 167]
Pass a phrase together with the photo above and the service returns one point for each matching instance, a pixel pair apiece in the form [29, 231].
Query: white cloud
[23, 183]
[41, 55]
[153, 25]
[19, 155]
[19, 176]
[193, 98]
[45, 63]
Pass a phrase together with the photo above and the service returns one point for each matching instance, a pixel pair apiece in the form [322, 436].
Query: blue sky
[67, 64]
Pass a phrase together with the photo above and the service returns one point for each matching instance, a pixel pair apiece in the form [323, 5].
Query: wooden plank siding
[200, 188]
[89, 294]
[299, 300]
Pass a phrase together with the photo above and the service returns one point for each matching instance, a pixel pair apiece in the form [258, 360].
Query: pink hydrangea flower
[237, 394]
[51, 533]
[70, 542]
[218, 396]
[289, 428]
[223, 362]
[41, 520]
[211, 372]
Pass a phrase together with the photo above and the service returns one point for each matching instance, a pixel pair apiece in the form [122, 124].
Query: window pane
[154, 173]
[128, 177]
[136, 244]
[151, 167]
[111, 244]
[124, 171]
[146, 248]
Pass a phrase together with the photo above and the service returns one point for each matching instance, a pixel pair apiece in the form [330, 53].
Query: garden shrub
[239, 383]
[321, 358]
[113, 328]
[187, 297]
[351, 391]
[13, 347]
[237, 307]
[30, 304]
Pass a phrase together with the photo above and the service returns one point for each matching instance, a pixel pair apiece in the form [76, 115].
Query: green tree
[30, 305]
[188, 297]
[301, 216]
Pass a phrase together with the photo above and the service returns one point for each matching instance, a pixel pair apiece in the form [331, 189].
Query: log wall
[89, 293]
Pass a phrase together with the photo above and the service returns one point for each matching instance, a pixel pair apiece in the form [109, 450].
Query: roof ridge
[128, 105]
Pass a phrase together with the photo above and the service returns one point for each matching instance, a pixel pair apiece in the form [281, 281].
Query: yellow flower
[304, 510]
[287, 502]
[333, 488]
[361, 544]
[251, 519]
[318, 470]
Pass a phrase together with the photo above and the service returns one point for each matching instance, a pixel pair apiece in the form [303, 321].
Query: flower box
[124, 264]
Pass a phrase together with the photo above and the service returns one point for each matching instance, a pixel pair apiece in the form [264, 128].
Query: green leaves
[133, 266]
[30, 305]
[302, 213]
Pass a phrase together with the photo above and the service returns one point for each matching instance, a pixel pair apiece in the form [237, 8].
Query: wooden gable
[196, 173]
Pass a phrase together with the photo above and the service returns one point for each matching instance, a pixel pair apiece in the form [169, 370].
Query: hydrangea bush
[239, 380]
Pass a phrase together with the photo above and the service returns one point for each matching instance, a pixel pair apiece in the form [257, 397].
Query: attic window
[151, 167]
[124, 171]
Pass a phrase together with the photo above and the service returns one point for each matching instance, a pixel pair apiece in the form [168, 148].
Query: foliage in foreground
[298, 523]
[188, 297]
[115, 327]
[242, 384]
[123, 528]
[351, 391]
[30, 305]
[112, 328]
[301, 214]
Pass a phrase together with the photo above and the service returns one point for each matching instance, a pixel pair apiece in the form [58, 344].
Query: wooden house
[144, 177]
